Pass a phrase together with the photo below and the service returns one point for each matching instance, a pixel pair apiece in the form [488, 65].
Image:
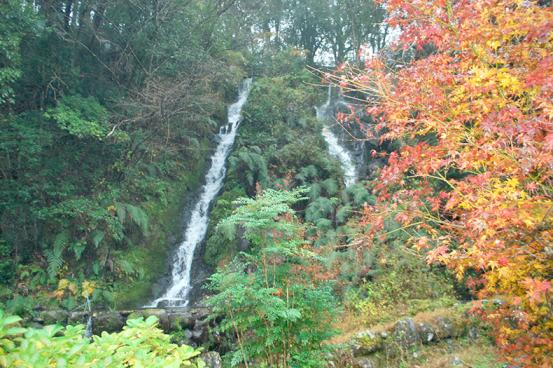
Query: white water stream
[334, 147]
[177, 293]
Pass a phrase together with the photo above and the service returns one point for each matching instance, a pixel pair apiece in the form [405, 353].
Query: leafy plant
[140, 344]
[268, 297]
[81, 117]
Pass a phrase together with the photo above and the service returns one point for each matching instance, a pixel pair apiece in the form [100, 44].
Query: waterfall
[177, 293]
[334, 147]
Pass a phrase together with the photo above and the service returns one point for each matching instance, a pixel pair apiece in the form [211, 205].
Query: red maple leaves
[474, 175]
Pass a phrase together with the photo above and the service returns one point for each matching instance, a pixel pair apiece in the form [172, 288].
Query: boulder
[212, 359]
[405, 333]
[107, 321]
[426, 333]
[52, 317]
[446, 327]
[367, 342]
[161, 315]
[364, 363]
[77, 318]
[473, 333]
[180, 321]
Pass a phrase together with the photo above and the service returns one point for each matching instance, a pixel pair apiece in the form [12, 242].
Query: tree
[269, 298]
[354, 24]
[16, 22]
[472, 182]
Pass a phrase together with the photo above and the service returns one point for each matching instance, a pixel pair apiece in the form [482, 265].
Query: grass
[479, 353]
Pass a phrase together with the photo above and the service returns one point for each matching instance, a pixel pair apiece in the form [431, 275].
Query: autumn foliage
[472, 183]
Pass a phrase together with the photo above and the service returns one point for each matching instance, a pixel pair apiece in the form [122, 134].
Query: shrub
[140, 344]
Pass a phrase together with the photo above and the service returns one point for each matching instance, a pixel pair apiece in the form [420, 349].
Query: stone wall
[192, 323]
[366, 347]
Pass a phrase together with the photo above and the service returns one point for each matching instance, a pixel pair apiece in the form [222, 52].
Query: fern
[315, 191]
[330, 186]
[251, 163]
[323, 224]
[306, 173]
[138, 216]
[120, 208]
[260, 212]
[342, 214]
[54, 256]
[360, 194]
[318, 209]
[97, 237]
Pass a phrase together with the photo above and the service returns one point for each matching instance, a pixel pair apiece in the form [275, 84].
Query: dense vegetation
[108, 113]
[108, 110]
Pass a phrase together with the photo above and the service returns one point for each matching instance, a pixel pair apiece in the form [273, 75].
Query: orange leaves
[475, 122]
[537, 290]
[437, 254]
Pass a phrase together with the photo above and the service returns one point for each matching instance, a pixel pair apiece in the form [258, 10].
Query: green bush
[397, 284]
[140, 344]
[267, 297]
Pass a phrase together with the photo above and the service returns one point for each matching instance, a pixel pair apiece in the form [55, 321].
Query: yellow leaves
[480, 74]
[503, 272]
[64, 286]
[493, 265]
[460, 272]
[88, 288]
[465, 205]
[506, 191]
[510, 83]
[493, 44]
[497, 83]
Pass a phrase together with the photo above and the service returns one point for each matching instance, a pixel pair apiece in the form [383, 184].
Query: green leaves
[258, 216]
[97, 237]
[81, 117]
[140, 344]
[16, 22]
[277, 311]
[136, 214]
[54, 256]
[252, 166]
[319, 209]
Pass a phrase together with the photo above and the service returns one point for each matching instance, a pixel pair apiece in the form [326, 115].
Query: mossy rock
[107, 321]
[367, 342]
[180, 321]
[447, 327]
[426, 332]
[161, 314]
[405, 333]
[52, 317]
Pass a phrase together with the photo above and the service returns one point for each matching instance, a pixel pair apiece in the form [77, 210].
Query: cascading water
[177, 293]
[334, 146]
